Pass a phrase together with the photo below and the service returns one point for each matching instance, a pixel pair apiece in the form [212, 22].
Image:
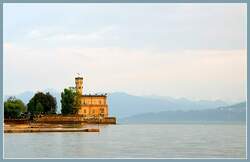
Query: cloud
[161, 26]
[7, 45]
[197, 74]
[190, 50]
[55, 35]
[34, 34]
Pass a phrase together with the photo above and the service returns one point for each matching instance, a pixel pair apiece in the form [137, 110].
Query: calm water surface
[133, 141]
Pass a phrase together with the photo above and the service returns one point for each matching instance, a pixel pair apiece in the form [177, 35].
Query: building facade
[92, 106]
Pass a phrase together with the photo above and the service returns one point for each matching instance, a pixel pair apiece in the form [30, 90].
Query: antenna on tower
[78, 74]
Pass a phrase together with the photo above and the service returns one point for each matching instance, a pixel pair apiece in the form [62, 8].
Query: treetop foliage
[70, 101]
[13, 108]
[42, 103]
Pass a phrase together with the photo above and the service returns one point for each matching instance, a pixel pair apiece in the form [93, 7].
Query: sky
[196, 51]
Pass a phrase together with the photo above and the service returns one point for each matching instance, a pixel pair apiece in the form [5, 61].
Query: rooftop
[95, 95]
[78, 77]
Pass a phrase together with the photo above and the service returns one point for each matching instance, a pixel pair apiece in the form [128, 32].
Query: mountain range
[232, 113]
[123, 105]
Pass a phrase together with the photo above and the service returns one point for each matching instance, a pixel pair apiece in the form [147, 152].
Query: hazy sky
[196, 51]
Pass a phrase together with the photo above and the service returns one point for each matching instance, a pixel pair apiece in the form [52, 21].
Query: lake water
[133, 141]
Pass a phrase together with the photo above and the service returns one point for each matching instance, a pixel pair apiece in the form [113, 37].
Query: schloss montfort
[93, 110]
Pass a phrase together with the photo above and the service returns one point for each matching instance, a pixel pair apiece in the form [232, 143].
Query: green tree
[13, 108]
[70, 101]
[47, 101]
[32, 106]
[51, 103]
[77, 103]
[39, 107]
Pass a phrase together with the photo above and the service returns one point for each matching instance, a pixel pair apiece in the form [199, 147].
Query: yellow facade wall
[93, 106]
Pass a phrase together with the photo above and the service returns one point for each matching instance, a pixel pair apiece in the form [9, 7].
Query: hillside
[124, 105]
[233, 113]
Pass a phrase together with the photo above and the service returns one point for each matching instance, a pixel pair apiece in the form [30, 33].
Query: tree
[13, 108]
[51, 103]
[70, 101]
[77, 103]
[39, 107]
[47, 101]
[32, 106]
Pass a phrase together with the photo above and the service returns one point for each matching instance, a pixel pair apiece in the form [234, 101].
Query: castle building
[91, 105]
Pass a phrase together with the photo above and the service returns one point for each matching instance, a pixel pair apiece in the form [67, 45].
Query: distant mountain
[233, 113]
[239, 107]
[123, 105]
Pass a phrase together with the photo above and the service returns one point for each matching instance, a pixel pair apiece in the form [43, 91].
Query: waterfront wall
[58, 119]
[61, 119]
[16, 121]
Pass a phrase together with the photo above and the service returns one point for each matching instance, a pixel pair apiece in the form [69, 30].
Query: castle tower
[79, 85]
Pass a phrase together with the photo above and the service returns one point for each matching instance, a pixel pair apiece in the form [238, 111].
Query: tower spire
[79, 84]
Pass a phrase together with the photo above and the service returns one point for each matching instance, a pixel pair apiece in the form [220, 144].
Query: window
[93, 111]
[100, 102]
[84, 111]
